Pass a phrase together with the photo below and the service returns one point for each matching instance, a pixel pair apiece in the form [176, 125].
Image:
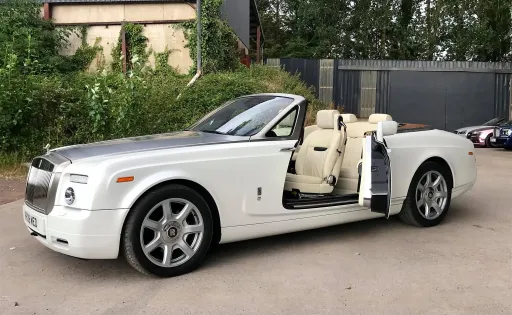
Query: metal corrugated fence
[418, 65]
[503, 104]
[363, 87]
[326, 84]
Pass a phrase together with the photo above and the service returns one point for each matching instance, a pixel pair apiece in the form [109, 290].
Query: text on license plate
[493, 139]
[31, 220]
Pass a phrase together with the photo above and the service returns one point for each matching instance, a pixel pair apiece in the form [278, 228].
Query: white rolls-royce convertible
[248, 169]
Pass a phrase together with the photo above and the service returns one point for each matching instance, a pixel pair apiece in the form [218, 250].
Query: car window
[494, 122]
[506, 124]
[285, 127]
[244, 116]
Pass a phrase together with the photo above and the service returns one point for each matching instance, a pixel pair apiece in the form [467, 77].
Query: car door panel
[376, 176]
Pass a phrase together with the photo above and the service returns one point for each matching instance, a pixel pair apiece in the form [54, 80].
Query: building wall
[130, 12]
[237, 12]
[104, 25]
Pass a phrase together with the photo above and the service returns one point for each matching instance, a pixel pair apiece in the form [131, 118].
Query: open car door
[375, 190]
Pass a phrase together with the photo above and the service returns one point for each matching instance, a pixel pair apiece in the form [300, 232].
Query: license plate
[493, 139]
[32, 221]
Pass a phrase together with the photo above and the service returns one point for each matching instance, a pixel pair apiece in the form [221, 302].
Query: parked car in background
[491, 123]
[503, 135]
[482, 137]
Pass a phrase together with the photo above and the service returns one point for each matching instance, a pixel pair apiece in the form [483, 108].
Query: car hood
[470, 128]
[483, 128]
[143, 143]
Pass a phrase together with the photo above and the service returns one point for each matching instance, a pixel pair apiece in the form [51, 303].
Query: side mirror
[386, 128]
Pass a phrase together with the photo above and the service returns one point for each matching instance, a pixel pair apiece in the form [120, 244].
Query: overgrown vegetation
[32, 45]
[136, 40]
[218, 41]
[51, 104]
[466, 30]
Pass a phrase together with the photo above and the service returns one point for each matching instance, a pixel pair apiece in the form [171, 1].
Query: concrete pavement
[463, 266]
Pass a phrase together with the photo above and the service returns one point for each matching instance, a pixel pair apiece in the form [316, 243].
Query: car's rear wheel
[168, 232]
[429, 196]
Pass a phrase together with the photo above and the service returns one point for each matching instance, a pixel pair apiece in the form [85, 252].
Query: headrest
[349, 118]
[288, 121]
[325, 118]
[375, 118]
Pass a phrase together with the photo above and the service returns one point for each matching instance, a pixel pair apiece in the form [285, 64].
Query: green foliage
[477, 30]
[63, 110]
[57, 105]
[218, 41]
[136, 44]
[37, 42]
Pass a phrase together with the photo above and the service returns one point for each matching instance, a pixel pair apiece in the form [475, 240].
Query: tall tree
[493, 30]
[388, 29]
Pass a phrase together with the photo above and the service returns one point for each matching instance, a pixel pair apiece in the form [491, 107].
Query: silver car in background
[465, 131]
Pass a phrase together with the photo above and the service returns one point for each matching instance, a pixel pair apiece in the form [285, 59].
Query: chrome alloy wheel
[171, 232]
[431, 195]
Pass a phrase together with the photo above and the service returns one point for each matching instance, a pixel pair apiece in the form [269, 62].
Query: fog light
[69, 196]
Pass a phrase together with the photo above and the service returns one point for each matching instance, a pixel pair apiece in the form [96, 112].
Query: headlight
[79, 179]
[69, 196]
[507, 132]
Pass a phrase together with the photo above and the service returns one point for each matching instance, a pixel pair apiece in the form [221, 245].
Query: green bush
[46, 98]
[61, 110]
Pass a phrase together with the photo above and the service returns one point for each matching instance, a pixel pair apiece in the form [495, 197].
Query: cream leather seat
[320, 157]
[349, 175]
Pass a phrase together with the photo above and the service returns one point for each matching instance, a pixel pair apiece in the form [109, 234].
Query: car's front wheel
[168, 231]
[429, 196]
[488, 142]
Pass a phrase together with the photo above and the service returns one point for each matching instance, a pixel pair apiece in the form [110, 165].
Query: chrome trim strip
[52, 192]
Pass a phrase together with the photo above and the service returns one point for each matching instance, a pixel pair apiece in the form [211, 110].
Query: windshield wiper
[214, 131]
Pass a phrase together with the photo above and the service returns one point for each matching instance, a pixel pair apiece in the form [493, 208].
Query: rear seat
[349, 177]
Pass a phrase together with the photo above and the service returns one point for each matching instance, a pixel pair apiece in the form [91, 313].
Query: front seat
[320, 157]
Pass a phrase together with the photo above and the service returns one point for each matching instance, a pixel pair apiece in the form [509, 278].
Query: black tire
[488, 143]
[131, 243]
[410, 213]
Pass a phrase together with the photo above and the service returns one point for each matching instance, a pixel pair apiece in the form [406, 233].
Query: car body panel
[244, 176]
[232, 173]
[479, 136]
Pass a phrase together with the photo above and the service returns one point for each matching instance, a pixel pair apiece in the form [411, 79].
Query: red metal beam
[47, 12]
[123, 48]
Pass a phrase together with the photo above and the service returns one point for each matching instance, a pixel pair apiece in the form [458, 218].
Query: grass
[11, 166]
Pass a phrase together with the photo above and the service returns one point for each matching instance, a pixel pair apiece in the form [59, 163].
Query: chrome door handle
[287, 150]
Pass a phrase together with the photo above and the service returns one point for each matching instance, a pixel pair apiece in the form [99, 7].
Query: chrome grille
[38, 184]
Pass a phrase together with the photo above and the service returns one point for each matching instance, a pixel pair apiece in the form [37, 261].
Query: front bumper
[477, 140]
[79, 233]
[502, 142]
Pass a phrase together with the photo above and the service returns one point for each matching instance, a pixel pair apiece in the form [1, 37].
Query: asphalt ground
[463, 266]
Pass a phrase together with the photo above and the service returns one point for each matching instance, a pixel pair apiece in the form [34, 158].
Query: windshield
[506, 124]
[493, 122]
[244, 116]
